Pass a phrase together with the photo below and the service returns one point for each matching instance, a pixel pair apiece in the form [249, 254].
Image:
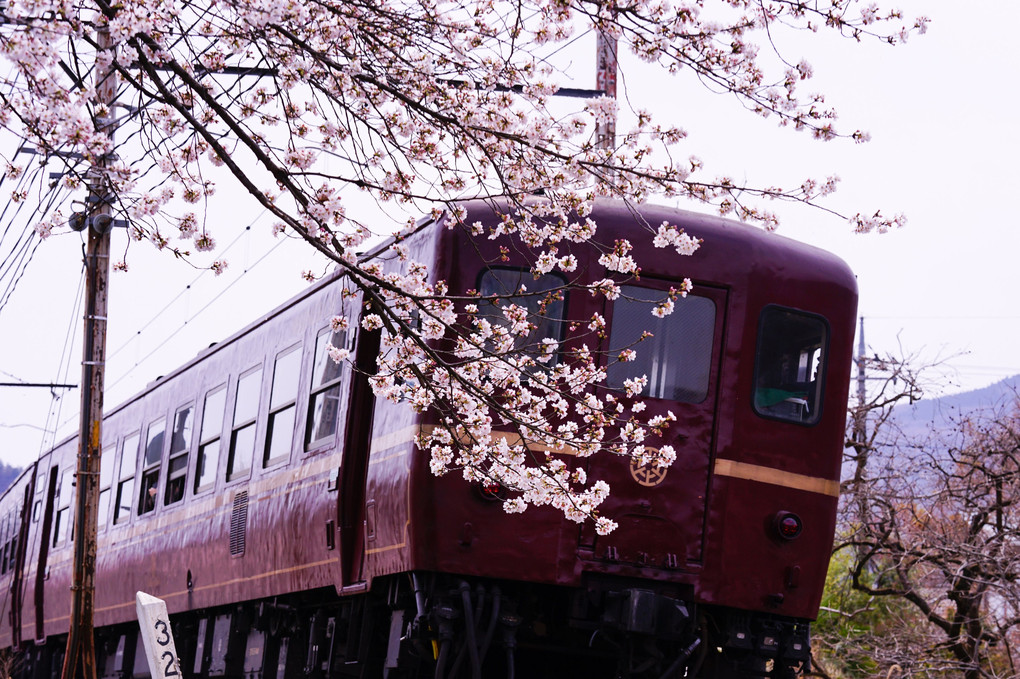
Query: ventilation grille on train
[238, 523]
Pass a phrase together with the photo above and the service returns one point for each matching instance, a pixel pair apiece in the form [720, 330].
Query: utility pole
[605, 80]
[861, 421]
[860, 430]
[98, 220]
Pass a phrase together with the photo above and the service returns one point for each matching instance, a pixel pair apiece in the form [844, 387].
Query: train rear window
[542, 297]
[790, 365]
[676, 358]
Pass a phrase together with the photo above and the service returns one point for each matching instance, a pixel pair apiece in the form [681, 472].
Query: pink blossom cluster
[509, 415]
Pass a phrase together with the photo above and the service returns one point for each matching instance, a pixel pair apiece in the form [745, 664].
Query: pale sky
[941, 111]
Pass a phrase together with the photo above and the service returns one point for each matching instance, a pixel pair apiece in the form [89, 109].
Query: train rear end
[718, 561]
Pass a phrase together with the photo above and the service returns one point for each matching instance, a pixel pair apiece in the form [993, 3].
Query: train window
[126, 478]
[177, 466]
[790, 365]
[676, 358]
[325, 397]
[242, 436]
[540, 296]
[4, 529]
[105, 481]
[62, 519]
[282, 407]
[150, 467]
[209, 441]
[15, 529]
[11, 540]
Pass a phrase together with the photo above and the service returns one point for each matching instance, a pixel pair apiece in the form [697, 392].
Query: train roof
[731, 251]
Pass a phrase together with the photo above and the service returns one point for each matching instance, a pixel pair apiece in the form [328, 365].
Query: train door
[357, 448]
[44, 551]
[19, 558]
[660, 509]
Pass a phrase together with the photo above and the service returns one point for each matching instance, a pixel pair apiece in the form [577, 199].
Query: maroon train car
[294, 530]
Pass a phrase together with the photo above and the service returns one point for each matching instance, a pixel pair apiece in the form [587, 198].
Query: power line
[942, 318]
[208, 304]
[159, 314]
[182, 326]
[64, 367]
[21, 253]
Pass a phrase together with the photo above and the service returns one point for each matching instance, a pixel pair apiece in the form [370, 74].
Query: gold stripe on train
[776, 477]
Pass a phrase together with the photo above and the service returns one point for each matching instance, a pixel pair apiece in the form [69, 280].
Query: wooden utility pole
[80, 657]
[605, 80]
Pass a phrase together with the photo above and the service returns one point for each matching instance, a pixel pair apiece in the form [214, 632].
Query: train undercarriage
[444, 627]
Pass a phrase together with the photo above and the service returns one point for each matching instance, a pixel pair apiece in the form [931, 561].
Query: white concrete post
[160, 651]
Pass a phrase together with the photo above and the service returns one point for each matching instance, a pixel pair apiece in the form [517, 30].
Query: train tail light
[788, 525]
[491, 490]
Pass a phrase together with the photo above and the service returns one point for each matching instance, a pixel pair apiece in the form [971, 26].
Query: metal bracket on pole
[100, 223]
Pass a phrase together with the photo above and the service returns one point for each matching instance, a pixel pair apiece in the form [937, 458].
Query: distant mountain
[8, 475]
[942, 412]
[993, 395]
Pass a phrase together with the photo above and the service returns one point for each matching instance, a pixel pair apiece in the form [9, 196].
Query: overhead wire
[63, 369]
[111, 384]
[16, 263]
[159, 314]
[17, 256]
[19, 252]
[198, 313]
[169, 337]
[11, 261]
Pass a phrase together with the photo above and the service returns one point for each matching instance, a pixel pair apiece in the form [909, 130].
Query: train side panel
[236, 537]
[16, 511]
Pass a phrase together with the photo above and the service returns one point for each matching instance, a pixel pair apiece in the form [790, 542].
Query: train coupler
[640, 611]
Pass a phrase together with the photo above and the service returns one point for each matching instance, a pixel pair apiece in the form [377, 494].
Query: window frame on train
[40, 482]
[692, 333]
[247, 402]
[4, 530]
[210, 438]
[782, 334]
[329, 388]
[62, 516]
[107, 464]
[553, 324]
[16, 520]
[179, 456]
[152, 459]
[9, 539]
[124, 501]
[283, 399]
